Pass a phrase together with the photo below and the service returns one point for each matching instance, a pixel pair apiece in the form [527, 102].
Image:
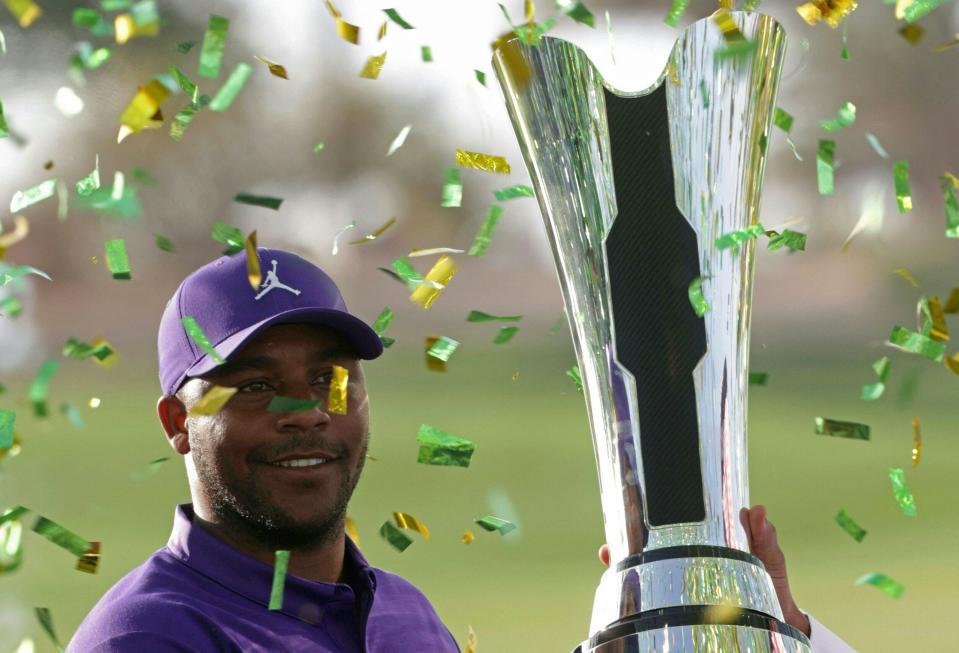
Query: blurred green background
[819, 318]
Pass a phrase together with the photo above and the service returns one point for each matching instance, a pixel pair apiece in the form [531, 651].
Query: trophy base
[698, 629]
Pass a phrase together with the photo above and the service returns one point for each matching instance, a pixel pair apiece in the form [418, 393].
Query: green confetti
[406, 273]
[117, 260]
[576, 10]
[396, 18]
[185, 84]
[882, 582]
[505, 334]
[231, 87]
[696, 298]
[491, 523]
[735, 49]
[758, 378]
[876, 145]
[143, 176]
[452, 189]
[845, 118]
[426, 54]
[46, 622]
[62, 537]
[903, 496]
[900, 171]
[734, 238]
[164, 243]
[916, 343]
[749, 5]
[91, 182]
[383, 320]
[395, 537]
[704, 93]
[844, 53]
[280, 566]
[24, 198]
[119, 200]
[39, 388]
[443, 348]
[824, 167]
[319, 146]
[840, 429]
[73, 414]
[195, 331]
[512, 192]
[436, 447]
[152, 468]
[480, 316]
[792, 240]
[86, 18]
[214, 41]
[576, 377]
[4, 130]
[557, 325]
[79, 350]
[849, 525]
[485, 234]
[259, 200]
[676, 12]
[10, 306]
[952, 206]
[872, 391]
[181, 121]
[18, 271]
[230, 236]
[531, 34]
[917, 9]
[13, 513]
[8, 419]
[480, 76]
[185, 46]
[280, 404]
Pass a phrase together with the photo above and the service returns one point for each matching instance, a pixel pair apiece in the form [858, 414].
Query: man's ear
[173, 414]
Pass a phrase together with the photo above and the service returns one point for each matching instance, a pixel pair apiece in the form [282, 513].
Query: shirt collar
[302, 599]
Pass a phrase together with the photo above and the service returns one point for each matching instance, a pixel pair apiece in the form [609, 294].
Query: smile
[301, 462]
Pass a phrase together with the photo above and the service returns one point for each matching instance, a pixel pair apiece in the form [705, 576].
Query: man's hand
[763, 545]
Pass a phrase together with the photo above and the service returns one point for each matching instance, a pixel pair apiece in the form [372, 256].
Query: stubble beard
[243, 506]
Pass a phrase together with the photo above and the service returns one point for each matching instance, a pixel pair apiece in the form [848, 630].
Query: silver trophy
[634, 189]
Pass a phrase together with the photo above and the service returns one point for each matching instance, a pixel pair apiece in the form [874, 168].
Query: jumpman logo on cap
[272, 281]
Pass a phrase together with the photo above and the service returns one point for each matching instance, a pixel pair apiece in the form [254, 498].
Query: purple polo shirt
[200, 594]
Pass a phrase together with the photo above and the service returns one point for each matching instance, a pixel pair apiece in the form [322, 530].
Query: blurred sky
[820, 301]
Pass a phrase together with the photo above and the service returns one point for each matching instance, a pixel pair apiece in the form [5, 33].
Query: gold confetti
[276, 69]
[336, 401]
[253, 272]
[912, 33]
[436, 279]
[346, 31]
[90, 560]
[916, 442]
[382, 32]
[831, 11]
[948, 45]
[126, 27]
[939, 331]
[143, 109]
[373, 66]
[409, 522]
[468, 537]
[212, 401]
[373, 236]
[471, 641]
[480, 161]
[25, 11]
[952, 304]
[94, 402]
[21, 229]
[905, 274]
[350, 525]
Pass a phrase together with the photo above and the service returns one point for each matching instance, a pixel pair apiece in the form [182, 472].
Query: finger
[604, 554]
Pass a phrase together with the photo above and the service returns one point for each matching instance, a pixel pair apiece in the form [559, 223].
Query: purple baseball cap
[222, 301]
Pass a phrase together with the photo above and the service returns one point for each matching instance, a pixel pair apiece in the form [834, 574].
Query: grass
[531, 590]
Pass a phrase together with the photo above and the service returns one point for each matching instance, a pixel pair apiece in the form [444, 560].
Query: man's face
[285, 477]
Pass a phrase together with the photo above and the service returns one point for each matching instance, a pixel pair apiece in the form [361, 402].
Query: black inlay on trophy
[652, 257]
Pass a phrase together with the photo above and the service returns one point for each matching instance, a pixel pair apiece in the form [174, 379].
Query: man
[264, 480]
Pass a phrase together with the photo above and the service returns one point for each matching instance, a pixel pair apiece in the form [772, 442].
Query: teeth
[301, 462]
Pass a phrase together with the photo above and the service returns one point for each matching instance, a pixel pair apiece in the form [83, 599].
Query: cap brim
[358, 333]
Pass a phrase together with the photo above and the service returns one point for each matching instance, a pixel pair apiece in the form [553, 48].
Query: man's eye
[255, 386]
[324, 379]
